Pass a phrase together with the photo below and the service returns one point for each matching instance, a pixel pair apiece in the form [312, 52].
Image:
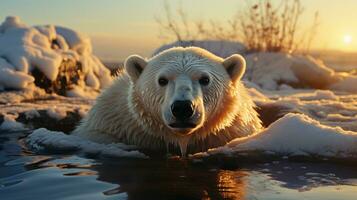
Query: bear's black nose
[182, 110]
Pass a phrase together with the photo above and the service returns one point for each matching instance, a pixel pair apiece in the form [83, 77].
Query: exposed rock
[1, 119]
[70, 74]
[269, 113]
[44, 120]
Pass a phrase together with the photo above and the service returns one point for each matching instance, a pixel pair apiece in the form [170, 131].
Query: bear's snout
[182, 110]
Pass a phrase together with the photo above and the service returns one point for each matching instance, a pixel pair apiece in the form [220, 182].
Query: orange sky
[121, 28]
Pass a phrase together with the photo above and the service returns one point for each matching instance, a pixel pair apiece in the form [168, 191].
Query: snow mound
[297, 134]
[282, 71]
[220, 48]
[24, 49]
[270, 70]
[43, 139]
[348, 84]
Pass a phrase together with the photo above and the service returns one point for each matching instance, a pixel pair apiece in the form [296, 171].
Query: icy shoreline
[324, 123]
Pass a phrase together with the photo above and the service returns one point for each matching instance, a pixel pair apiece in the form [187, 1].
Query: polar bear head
[183, 90]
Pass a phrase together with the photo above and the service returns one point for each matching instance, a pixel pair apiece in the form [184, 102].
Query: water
[24, 175]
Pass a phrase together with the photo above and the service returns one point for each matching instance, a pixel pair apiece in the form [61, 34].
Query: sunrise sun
[347, 39]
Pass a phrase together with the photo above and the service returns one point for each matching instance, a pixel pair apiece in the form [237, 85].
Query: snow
[270, 70]
[312, 123]
[282, 71]
[317, 95]
[74, 40]
[13, 97]
[313, 72]
[328, 107]
[13, 79]
[259, 70]
[295, 133]
[36, 105]
[82, 92]
[348, 84]
[56, 113]
[43, 139]
[10, 123]
[23, 48]
[30, 114]
[220, 48]
[11, 22]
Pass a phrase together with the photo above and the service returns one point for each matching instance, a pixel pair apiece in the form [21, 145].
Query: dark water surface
[24, 175]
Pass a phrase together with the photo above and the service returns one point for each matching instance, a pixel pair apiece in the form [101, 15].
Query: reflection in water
[231, 185]
[171, 180]
[81, 173]
[24, 175]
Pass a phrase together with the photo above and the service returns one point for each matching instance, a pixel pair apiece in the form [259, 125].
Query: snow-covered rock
[24, 49]
[220, 48]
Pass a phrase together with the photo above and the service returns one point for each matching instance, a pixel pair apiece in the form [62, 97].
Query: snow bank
[313, 72]
[270, 70]
[220, 48]
[282, 71]
[328, 107]
[24, 48]
[348, 84]
[296, 134]
[43, 139]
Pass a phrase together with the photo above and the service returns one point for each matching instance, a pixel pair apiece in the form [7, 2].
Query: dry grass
[261, 26]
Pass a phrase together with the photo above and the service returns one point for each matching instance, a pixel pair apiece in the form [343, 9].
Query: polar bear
[182, 97]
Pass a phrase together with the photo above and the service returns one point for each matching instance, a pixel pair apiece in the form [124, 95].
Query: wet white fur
[130, 109]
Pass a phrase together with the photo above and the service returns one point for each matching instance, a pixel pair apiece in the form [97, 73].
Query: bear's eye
[204, 80]
[163, 81]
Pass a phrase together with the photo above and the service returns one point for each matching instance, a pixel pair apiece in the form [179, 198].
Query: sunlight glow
[347, 39]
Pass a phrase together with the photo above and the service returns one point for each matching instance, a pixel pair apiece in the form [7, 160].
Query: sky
[119, 28]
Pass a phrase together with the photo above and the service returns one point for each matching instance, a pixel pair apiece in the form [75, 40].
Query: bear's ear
[235, 66]
[134, 66]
